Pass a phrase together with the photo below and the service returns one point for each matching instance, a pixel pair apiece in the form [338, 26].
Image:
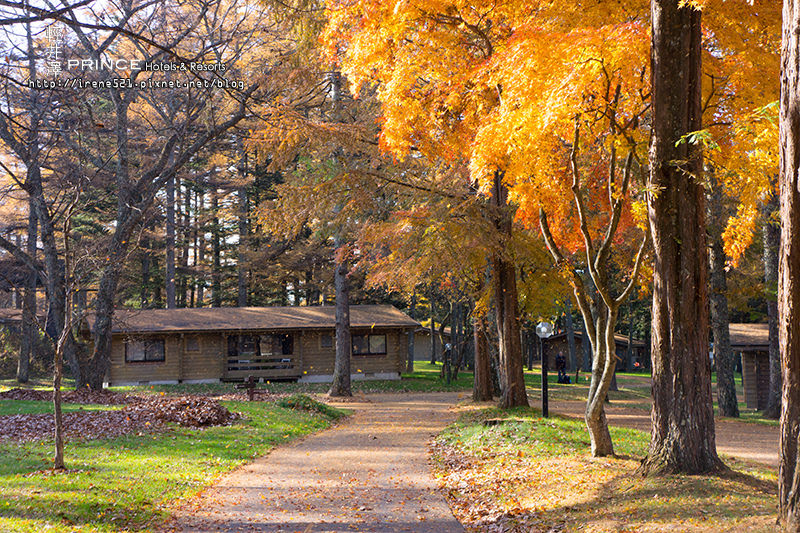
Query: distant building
[559, 344]
[751, 342]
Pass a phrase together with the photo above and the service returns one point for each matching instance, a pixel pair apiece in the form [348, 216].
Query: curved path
[370, 473]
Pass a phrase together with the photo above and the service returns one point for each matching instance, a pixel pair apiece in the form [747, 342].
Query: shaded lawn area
[129, 483]
[34, 407]
[526, 473]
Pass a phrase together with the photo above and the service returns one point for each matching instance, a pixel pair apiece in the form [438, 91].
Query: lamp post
[543, 331]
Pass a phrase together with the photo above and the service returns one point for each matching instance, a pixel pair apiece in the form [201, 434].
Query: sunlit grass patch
[518, 471]
[130, 483]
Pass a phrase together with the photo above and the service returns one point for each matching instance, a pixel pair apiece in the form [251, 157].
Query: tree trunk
[169, 263]
[216, 273]
[412, 313]
[482, 386]
[432, 327]
[682, 434]
[241, 263]
[504, 277]
[200, 260]
[341, 370]
[586, 348]
[185, 240]
[28, 303]
[772, 242]
[573, 355]
[789, 269]
[723, 355]
[629, 352]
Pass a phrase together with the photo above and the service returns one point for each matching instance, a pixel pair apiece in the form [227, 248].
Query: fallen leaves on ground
[194, 411]
[80, 396]
[141, 415]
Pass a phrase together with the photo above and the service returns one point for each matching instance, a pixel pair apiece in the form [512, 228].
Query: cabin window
[144, 351]
[326, 340]
[369, 344]
[192, 343]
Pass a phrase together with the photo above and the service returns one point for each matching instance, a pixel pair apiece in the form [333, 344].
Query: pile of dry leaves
[140, 415]
[194, 411]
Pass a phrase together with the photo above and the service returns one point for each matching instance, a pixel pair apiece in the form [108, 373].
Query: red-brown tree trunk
[789, 269]
[482, 387]
[504, 277]
[682, 435]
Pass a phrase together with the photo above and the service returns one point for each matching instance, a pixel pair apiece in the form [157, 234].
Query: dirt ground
[744, 440]
[370, 473]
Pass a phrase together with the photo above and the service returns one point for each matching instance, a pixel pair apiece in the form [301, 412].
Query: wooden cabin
[558, 344]
[751, 341]
[198, 345]
[422, 343]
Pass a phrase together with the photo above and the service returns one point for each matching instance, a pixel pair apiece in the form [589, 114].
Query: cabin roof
[749, 336]
[252, 318]
[619, 339]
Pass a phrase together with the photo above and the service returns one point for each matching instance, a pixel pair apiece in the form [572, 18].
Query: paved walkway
[745, 440]
[368, 474]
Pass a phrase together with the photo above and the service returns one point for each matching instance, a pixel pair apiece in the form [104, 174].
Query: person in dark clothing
[561, 366]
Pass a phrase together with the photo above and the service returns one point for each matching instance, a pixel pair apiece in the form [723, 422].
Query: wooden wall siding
[755, 379]
[167, 370]
[318, 360]
[210, 361]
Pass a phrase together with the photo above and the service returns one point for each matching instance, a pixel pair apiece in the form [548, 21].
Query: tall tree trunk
[184, 241]
[723, 355]
[586, 348]
[341, 370]
[629, 352]
[201, 248]
[432, 326]
[412, 312]
[482, 386]
[216, 273]
[144, 289]
[28, 303]
[789, 269]
[573, 355]
[241, 263]
[169, 263]
[504, 277]
[682, 434]
[772, 241]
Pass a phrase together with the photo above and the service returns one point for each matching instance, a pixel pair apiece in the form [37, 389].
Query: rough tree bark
[216, 252]
[789, 269]
[169, 263]
[241, 263]
[482, 385]
[772, 240]
[341, 370]
[432, 325]
[682, 434]
[723, 355]
[504, 279]
[412, 312]
[28, 303]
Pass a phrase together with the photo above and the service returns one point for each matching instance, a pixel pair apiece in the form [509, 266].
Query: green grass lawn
[129, 483]
[26, 407]
[535, 474]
